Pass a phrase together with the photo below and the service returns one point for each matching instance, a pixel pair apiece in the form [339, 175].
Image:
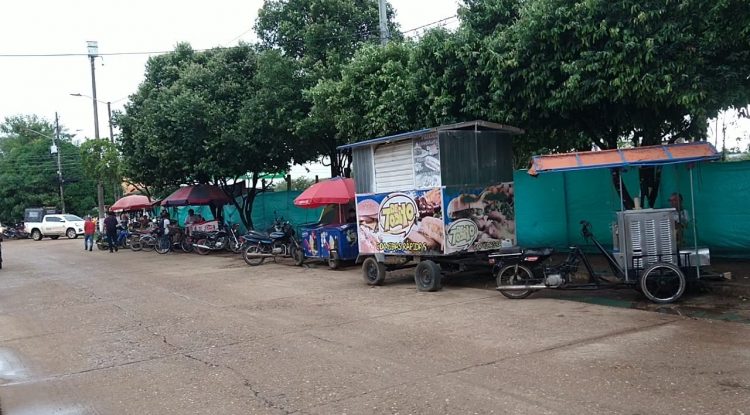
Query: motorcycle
[235, 240]
[123, 239]
[16, 232]
[280, 241]
[205, 242]
[514, 268]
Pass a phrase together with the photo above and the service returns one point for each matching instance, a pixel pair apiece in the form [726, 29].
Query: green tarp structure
[269, 205]
[549, 207]
[266, 207]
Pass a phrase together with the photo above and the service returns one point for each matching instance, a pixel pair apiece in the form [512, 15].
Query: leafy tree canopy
[211, 117]
[28, 171]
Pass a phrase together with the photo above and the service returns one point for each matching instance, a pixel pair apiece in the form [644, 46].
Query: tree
[101, 161]
[401, 87]
[320, 36]
[211, 117]
[605, 71]
[28, 171]
[374, 96]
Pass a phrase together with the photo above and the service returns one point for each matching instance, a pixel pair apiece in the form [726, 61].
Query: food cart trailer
[437, 199]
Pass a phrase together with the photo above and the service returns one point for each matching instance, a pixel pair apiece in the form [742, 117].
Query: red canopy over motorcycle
[132, 202]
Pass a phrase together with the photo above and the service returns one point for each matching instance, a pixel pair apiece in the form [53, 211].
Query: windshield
[72, 218]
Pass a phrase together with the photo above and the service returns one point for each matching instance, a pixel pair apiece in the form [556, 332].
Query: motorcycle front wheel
[234, 246]
[251, 256]
[186, 245]
[163, 245]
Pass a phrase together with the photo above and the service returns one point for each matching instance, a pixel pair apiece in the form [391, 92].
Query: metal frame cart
[645, 253]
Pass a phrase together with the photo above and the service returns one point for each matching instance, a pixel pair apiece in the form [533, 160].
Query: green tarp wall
[266, 206]
[269, 205]
[549, 207]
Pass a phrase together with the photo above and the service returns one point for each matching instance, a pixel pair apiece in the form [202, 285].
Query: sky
[42, 85]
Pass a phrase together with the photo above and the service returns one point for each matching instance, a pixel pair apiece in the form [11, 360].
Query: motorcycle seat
[257, 234]
[256, 239]
[538, 251]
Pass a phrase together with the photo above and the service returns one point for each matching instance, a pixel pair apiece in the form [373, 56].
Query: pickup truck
[55, 226]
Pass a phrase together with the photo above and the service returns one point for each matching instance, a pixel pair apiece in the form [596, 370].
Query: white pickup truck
[55, 226]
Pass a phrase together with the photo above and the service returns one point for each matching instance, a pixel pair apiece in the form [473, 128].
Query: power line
[373, 32]
[445, 19]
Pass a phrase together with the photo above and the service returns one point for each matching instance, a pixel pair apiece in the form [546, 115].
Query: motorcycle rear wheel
[250, 256]
[514, 275]
[200, 250]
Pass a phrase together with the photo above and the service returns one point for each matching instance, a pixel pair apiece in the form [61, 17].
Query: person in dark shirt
[110, 226]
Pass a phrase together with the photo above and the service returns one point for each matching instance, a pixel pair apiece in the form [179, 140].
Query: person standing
[164, 223]
[110, 226]
[681, 219]
[89, 228]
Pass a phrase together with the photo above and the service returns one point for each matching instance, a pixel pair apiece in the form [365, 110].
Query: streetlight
[109, 112]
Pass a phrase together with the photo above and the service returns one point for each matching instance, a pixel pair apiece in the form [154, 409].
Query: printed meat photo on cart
[480, 219]
[401, 222]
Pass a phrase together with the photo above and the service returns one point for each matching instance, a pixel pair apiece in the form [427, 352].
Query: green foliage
[211, 117]
[28, 172]
[100, 160]
[320, 36]
[598, 71]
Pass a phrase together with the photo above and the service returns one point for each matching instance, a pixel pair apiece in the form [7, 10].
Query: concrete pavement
[142, 333]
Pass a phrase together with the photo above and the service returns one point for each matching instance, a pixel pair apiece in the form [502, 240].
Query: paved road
[139, 333]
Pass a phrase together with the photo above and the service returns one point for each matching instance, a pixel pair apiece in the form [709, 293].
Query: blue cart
[330, 240]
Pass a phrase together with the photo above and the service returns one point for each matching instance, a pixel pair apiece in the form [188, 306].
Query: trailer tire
[428, 276]
[373, 271]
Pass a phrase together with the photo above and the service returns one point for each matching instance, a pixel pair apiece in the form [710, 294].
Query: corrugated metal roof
[479, 124]
[639, 156]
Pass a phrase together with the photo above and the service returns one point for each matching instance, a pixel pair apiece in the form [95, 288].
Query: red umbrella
[132, 202]
[338, 190]
[200, 194]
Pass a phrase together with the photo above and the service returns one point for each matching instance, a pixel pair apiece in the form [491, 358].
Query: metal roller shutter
[394, 167]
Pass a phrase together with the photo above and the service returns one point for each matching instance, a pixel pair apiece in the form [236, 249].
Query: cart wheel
[333, 260]
[373, 271]
[428, 277]
[514, 275]
[662, 283]
[298, 255]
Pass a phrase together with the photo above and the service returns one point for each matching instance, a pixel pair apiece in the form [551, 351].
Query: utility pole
[59, 163]
[109, 117]
[384, 35]
[115, 190]
[93, 47]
